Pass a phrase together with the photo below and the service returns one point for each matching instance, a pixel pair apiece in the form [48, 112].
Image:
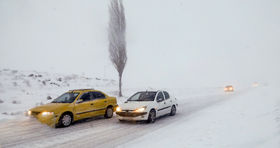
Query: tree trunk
[120, 85]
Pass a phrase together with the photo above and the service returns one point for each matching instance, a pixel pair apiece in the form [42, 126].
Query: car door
[162, 106]
[168, 101]
[99, 103]
[84, 106]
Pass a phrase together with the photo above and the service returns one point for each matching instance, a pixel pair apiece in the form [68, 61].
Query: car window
[98, 95]
[68, 97]
[143, 96]
[160, 97]
[85, 97]
[134, 97]
[166, 95]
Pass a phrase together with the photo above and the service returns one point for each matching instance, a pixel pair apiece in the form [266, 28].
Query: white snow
[206, 117]
[246, 119]
[21, 90]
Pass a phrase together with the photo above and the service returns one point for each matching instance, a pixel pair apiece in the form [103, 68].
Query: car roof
[83, 90]
[148, 91]
[151, 90]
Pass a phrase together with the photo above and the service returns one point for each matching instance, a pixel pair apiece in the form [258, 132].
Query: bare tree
[116, 36]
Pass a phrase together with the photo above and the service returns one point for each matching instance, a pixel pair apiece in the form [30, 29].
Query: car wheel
[152, 116]
[109, 112]
[65, 120]
[173, 111]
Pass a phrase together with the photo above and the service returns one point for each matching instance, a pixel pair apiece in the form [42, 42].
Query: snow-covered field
[206, 117]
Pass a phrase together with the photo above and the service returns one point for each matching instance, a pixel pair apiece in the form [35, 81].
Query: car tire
[152, 116]
[109, 112]
[173, 110]
[65, 120]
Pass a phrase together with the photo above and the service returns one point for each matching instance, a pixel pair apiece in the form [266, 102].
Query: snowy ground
[249, 118]
[207, 117]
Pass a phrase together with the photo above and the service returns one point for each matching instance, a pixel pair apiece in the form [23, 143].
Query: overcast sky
[170, 43]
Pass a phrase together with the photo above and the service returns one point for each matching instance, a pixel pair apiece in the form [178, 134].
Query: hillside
[20, 90]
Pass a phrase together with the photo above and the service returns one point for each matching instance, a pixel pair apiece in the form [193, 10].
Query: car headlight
[47, 113]
[29, 113]
[118, 109]
[142, 109]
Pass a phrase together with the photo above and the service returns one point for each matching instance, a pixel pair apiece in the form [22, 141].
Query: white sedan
[147, 105]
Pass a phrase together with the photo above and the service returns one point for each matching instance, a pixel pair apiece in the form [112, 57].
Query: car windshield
[68, 97]
[143, 96]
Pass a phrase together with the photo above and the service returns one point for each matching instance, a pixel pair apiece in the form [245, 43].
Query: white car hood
[132, 105]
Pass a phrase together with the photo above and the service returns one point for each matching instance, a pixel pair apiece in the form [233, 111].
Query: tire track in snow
[44, 131]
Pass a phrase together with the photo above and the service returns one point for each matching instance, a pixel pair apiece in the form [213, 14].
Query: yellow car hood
[51, 107]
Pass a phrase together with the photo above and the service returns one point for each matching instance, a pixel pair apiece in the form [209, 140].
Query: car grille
[130, 114]
[35, 113]
[127, 110]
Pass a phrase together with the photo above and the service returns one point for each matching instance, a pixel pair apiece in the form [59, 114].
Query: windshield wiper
[58, 102]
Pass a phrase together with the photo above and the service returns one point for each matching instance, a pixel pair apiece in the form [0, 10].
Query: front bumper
[50, 120]
[134, 116]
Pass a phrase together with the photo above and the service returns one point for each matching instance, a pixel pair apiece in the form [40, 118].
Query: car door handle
[105, 101]
[91, 104]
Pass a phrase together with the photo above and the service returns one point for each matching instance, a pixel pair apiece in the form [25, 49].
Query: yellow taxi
[75, 105]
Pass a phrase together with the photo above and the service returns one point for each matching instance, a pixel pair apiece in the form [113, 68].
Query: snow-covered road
[100, 132]
[250, 119]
